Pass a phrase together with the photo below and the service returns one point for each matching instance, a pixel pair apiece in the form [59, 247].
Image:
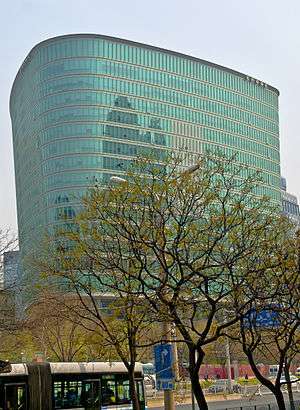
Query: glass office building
[82, 106]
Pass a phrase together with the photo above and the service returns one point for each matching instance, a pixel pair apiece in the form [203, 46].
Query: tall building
[82, 106]
[290, 206]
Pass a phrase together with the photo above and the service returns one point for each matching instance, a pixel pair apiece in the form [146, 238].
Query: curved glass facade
[83, 105]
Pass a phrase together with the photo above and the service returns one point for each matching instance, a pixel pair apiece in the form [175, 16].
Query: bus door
[15, 396]
[91, 394]
[141, 393]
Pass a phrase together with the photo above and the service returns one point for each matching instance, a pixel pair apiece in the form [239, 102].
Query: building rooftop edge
[132, 43]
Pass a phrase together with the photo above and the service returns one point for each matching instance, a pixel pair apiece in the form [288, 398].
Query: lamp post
[228, 364]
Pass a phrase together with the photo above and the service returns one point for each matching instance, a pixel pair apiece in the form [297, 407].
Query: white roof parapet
[20, 369]
[91, 367]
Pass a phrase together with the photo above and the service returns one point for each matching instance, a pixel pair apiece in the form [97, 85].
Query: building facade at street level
[290, 206]
[82, 106]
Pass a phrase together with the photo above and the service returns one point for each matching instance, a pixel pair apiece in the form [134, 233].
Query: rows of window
[101, 67]
[79, 144]
[30, 190]
[34, 90]
[43, 217]
[88, 97]
[85, 145]
[31, 186]
[57, 198]
[97, 130]
[93, 146]
[134, 134]
[85, 162]
[70, 47]
[100, 114]
[211, 99]
[73, 178]
[290, 208]
[30, 175]
[87, 393]
[145, 120]
[271, 180]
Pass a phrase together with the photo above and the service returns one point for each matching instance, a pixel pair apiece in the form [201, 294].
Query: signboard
[266, 318]
[163, 354]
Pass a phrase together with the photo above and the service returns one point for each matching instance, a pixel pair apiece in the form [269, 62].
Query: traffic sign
[163, 354]
[266, 318]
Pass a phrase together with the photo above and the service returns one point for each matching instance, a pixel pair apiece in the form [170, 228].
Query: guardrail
[268, 406]
[247, 391]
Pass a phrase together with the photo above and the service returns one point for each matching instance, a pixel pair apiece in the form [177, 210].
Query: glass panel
[123, 393]
[108, 390]
[67, 394]
[140, 388]
[15, 397]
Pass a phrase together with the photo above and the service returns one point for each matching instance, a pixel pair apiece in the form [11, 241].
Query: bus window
[123, 392]
[67, 394]
[57, 395]
[108, 390]
[15, 397]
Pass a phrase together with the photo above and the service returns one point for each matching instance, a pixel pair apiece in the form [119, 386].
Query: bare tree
[54, 329]
[7, 243]
[8, 320]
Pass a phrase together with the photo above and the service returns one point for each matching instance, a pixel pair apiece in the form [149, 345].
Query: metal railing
[268, 406]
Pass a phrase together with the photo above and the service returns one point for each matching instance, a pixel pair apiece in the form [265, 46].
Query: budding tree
[188, 242]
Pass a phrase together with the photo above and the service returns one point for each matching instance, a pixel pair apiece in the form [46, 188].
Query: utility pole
[228, 364]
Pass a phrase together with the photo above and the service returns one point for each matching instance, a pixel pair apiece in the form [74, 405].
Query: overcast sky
[257, 37]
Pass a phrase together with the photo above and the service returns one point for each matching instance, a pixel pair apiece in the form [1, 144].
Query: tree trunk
[279, 398]
[275, 389]
[194, 365]
[289, 385]
[133, 391]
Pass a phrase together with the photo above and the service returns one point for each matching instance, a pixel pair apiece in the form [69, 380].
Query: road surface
[260, 402]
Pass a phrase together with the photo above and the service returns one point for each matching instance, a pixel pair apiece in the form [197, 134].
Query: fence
[269, 406]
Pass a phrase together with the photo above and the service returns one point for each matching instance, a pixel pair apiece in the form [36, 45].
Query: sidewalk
[159, 401]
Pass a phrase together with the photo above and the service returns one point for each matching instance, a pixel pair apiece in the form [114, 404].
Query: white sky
[257, 37]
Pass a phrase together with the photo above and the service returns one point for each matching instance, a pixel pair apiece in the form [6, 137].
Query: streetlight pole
[228, 364]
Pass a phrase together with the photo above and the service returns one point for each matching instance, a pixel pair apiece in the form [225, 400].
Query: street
[261, 403]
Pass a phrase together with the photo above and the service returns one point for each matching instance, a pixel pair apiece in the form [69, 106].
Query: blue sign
[164, 366]
[266, 318]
